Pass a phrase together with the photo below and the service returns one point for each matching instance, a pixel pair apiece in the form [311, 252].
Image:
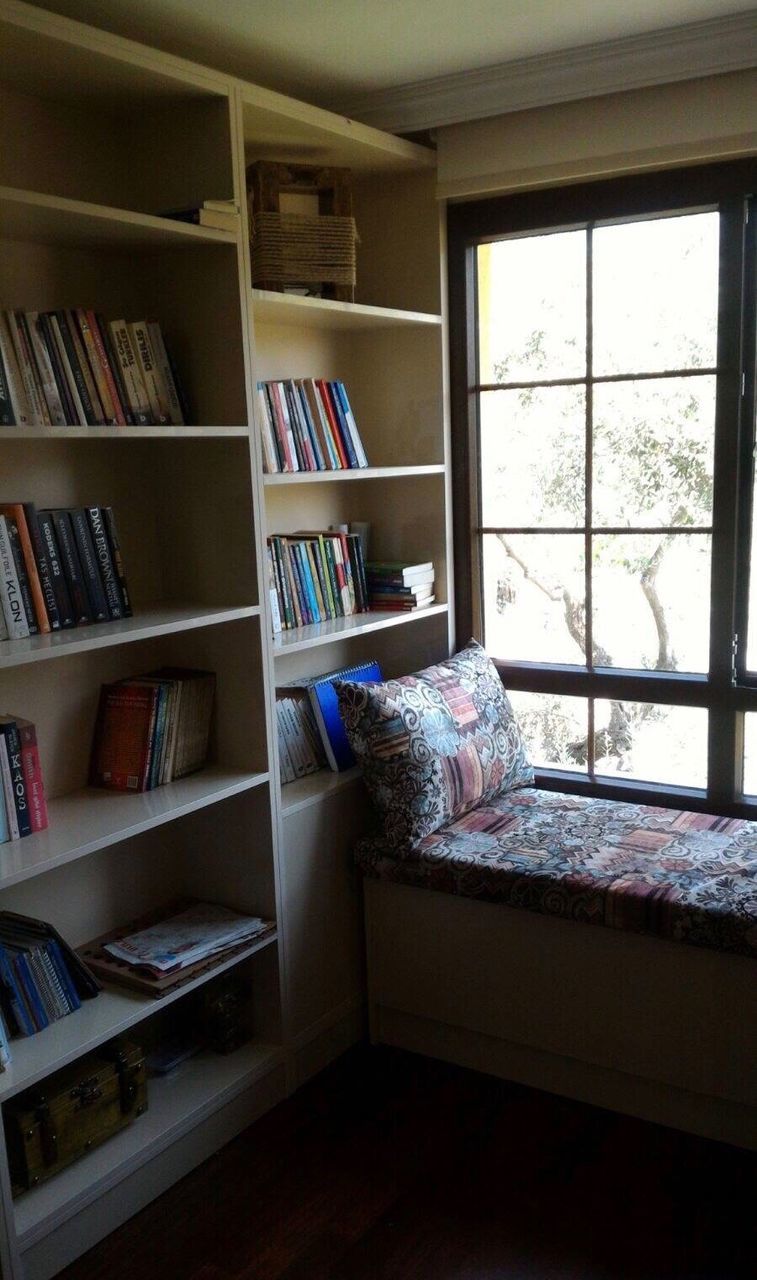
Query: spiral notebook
[325, 704]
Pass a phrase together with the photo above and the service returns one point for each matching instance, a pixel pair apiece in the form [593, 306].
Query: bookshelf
[97, 136]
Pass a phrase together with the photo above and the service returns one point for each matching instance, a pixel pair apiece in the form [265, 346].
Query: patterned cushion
[435, 744]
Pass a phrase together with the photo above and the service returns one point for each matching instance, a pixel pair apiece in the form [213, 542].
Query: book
[117, 558]
[104, 557]
[7, 416]
[218, 219]
[170, 393]
[57, 577]
[397, 573]
[92, 343]
[142, 346]
[202, 930]
[15, 512]
[11, 599]
[45, 370]
[135, 390]
[324, 702]
[32, 770]
[71, 564]
[6, 776]
[123, 737]
[9, 731]
[20, 411]
[20, 338]
[90, 566]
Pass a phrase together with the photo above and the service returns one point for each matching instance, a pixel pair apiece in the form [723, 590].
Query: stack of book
[23, 810]
[314, 733]
[315, 576]
[58, 569]
[73, 368]
[396, 586]
[41, 978]
[220, 215]
[300, 747]
[307, 425]
[152, 729]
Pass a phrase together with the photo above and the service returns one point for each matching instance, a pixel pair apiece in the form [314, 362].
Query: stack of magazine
[194, 935]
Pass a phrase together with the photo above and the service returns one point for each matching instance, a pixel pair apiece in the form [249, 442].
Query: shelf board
[31, 215]
[315, 787]
[121, 433]
[109, 1014]
[358, 624]
[177, 1103]
[156, 620]
[323, 313]
[354, 473]
[85, 821]
[280, 128]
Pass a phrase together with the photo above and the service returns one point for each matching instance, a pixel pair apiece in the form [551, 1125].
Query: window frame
[728, 690]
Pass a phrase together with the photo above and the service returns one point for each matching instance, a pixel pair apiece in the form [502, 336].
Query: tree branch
[666, 659]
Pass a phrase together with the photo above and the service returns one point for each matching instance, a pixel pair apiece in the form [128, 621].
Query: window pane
[651, 742]
[555, 729]
[533, 457]
[532, 307]
[653, 452]
[656, 294]
[534, 603]
[651, 598]
[750, 753]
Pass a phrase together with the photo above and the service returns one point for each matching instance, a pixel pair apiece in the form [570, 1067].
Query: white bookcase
[97, 135]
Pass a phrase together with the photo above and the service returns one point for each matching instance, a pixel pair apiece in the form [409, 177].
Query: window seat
[687, 877]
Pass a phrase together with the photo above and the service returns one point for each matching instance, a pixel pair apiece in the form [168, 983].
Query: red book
[35, 791]
[106, 383]
[123, 737]
[325, 394]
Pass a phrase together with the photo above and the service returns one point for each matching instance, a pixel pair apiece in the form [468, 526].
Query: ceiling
[337, 50]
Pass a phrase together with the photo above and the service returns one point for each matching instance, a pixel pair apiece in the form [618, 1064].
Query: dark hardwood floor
[392, 1167]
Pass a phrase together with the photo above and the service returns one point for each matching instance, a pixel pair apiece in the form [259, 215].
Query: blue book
[325, 704]
[28, 986]
[309, 585]
[14, 1001]
[344, 429]
[64, 977]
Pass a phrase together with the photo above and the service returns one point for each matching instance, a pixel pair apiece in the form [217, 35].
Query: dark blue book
[14, 1006]
[22, 969]
[325, 704]
[344, 429]
[90, 565]
[59, 964]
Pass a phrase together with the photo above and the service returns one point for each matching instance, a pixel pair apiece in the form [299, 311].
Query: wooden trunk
[50, 1126]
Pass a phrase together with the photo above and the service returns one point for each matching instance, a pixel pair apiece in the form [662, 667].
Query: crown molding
[675, 53]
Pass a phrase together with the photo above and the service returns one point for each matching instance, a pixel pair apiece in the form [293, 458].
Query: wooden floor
[390, 1166]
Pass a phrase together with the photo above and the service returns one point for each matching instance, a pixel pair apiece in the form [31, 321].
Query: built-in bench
[642, 1024]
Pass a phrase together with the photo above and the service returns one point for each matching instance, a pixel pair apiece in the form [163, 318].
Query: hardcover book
[324, 702]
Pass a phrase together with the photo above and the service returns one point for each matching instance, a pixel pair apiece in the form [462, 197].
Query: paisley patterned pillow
[435, 744]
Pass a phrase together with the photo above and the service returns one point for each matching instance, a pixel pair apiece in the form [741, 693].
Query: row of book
[315, 577]
[397, 586]
[23, 810]
[59, 568]
[310, 729]
[152, 729]
[41, 978]
[307, 424]
[74, 368]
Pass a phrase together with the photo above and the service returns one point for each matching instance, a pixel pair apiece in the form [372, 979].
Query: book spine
[56, 955]
[135, 389]
[101, 367]
[16, 513]
[295, 587]
[90, 565]
[66, 328]
[115, 367]
[12, 739]
[9, 770]
[353, 548]
[301, 427]
[4, 828]
[267, 434]
[7, 416]
[97, 372]
[286, 768]
[57, 576]
[307, 583]
[284, 426]
[13, 1001]
[47, 332]
[105, 562]
[71, 566]
[117, 557]
[273, 594]
[29, 990]
[16, 390]
[331, 458]
[357, 443]
[23, 578]
[32, 386]
[336, 435]
[282, 585]
[344, 430]
[311, 556]
[321, 461]
[12, 601]
[277, 422]
[165, 374]
[43, 566]
[142, 346]
[78, 416]
[32, 770]
[46, 371]
[87, 373]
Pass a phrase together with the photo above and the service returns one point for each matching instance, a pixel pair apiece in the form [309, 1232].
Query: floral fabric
[434, 744]
[689, 877]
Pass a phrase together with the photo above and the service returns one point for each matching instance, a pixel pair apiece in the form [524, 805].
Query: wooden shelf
[30, 215]
[358, 624]
[9, 434]
[91, 819]
[315, 787]
[109, 1014]
[177, 1103]
[156, 620]
[322, 313]
[354, 473]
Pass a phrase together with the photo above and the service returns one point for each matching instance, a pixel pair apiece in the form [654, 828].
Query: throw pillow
[434, 744]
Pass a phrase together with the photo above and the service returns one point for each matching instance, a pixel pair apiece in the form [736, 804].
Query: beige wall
[687, 122]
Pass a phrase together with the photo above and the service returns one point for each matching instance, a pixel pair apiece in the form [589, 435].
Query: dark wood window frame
[728, 690]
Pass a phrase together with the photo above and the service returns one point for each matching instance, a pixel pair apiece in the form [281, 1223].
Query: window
[603, 358]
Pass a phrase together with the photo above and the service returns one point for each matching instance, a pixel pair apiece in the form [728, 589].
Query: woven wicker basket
[290, 248]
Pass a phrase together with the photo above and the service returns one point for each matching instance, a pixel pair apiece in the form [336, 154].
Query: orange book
[121, 752]
[16, 512]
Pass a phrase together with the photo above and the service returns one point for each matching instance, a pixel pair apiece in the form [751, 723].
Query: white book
[136, 392]
[10, 805]
[49, 385]
[164, 374]
[10, 589]
[19, 401]
[270, 456]
[286, 767]
[142, 347]
[32, 386]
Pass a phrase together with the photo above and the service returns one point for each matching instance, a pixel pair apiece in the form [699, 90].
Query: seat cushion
[435, 744]
[688, 877]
